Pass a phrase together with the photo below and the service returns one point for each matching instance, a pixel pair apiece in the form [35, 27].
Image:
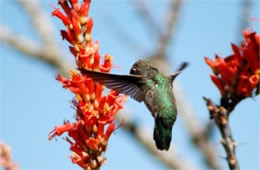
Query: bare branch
[171, 19]
[220, 116]
[21, 43]
[144, 12]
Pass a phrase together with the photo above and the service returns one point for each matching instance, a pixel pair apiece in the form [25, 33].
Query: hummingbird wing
[126, 84]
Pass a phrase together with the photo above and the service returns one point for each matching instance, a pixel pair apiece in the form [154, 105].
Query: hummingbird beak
[183, 66]
[179, 70]
[173, 76]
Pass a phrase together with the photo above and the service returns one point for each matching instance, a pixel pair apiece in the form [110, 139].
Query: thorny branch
[220, 116]
[52, 56]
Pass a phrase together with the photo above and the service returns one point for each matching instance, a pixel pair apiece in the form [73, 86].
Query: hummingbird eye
[133, 70]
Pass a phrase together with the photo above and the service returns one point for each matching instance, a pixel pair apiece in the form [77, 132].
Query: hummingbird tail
[162, 135]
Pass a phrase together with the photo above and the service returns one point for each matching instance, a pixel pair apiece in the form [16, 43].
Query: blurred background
[167, 32]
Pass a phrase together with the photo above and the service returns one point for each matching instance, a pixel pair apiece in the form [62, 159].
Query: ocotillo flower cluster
[237, 76]
[95, 113]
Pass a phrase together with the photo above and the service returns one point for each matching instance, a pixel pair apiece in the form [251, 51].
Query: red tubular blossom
[103, 106]
[89, 25]
[227, 73]
[251, 49]
[78, 160]
[65, 36]
[61, 79]
[76, 149]
[242, 84]
[93, 144]
[106, 67]
[91, 87]
[85, 60]
[72, 37]
[59, 130]
[211, 64]
[219, 84]
[112, 95]
[99, 89]
[73, 51]
[66, 21]
[101, 126]
[82, 133]
[95, 48]
[109, 130]
[76, 25]
[74, 4]
[236, 50]
[65, 6]
[68, 35]
[83, 90]
[118, 104]
[89, 121]
[84, 9]
[94, 111]
[95, 65]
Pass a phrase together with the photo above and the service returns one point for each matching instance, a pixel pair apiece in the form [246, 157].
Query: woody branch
[220, 116]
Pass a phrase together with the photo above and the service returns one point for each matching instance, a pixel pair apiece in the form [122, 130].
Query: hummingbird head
[144, 68]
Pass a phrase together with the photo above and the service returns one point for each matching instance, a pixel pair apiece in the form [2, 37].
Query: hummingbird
[146, 84]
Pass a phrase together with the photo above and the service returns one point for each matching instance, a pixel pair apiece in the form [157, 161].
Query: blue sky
[33, 102]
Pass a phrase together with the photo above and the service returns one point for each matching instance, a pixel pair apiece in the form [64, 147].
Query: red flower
[218, 82]
[237, 76]
[95, 112]
[66, 21]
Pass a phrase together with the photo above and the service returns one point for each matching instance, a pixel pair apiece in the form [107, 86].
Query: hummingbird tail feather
[162, 135]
